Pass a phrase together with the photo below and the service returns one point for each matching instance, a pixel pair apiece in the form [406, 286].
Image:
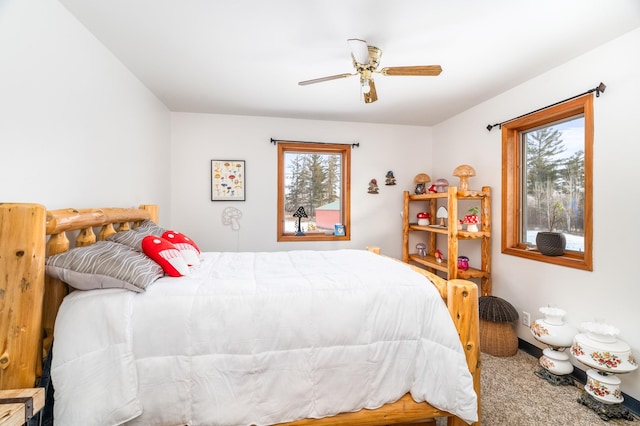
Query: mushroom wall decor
[230, 217]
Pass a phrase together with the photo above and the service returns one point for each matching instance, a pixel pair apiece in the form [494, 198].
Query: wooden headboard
[29, 301]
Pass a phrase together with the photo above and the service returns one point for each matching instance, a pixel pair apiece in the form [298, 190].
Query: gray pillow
[105, 264]
[148, 227]
[134, 237]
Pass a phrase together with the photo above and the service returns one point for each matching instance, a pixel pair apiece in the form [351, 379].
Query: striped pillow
[105, 264]
[134, 237]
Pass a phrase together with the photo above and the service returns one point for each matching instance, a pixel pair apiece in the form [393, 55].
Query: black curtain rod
[353, 145]
[599, 89]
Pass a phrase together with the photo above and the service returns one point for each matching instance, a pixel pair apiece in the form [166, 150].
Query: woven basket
[498, 338]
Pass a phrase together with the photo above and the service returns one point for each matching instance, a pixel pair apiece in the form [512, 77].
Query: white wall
[611, 292]
[77, 129]
[375, 219]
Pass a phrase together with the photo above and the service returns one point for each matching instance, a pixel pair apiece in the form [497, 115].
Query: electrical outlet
[526, 319]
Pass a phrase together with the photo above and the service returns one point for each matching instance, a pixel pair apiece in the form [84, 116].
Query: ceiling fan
[366, 60]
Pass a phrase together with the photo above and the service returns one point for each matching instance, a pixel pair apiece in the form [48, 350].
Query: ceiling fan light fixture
[365, 60]
[364, 83]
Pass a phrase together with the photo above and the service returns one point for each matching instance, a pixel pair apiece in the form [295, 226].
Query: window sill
[569, 259]
[312, 237]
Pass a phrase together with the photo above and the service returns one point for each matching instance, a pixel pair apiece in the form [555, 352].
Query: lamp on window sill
[558, 336]
[300, 213]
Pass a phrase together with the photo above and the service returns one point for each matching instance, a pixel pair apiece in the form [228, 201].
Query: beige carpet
[513, 395]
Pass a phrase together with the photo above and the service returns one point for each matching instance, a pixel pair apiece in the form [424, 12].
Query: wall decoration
[231, 217]
[390, 179]
[373, 187]
[228, 180]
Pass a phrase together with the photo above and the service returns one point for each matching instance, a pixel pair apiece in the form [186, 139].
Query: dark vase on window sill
[551, 243]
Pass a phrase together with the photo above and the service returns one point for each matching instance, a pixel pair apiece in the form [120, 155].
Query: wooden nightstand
[17, 406]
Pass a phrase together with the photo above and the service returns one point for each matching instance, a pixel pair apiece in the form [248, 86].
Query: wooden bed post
[462, 301]
[22, 251]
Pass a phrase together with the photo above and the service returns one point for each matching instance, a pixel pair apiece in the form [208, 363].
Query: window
[316, 177]
[547, 162]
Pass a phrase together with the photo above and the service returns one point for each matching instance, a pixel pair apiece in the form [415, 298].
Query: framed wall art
[228, 180]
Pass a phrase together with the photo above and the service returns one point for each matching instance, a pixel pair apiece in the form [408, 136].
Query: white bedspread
[258, 338]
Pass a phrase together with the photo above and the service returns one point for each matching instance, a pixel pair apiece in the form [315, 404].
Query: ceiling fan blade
[429, 70]
[321, 79]
[359, 50]
[372, 96]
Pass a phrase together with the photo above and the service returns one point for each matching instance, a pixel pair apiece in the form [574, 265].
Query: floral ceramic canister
[600, 348]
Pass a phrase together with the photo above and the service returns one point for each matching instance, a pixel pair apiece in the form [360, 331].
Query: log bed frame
[29, 302]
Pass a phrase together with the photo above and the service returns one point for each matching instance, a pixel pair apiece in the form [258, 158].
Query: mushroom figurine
[464, 172]
[422, 249]
[438, 256]
[441, 215]
[423, 218]
[471, 220]
[421, 180]
[441, 185]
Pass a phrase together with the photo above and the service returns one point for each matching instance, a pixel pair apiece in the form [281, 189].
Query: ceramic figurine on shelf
[463, 263]
[423, 218]
[441, 185]
[421, 180]
[471, 219]
[373, 186]
[390, 179]
[439, 257]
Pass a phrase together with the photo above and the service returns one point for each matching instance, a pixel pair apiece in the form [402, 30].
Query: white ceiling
[245, 57]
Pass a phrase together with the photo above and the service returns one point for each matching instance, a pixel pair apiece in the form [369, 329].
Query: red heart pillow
[166, 255]
[188, 249]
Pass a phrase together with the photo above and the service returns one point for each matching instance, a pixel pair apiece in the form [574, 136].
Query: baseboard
[580, 376]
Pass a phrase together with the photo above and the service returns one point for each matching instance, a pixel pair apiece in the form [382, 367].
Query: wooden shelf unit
[449, 267]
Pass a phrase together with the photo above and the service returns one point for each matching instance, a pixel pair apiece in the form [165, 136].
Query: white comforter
[258, 338]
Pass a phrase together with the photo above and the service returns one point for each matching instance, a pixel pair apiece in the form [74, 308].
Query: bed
[317, 337]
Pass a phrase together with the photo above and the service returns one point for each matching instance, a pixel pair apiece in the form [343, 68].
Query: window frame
[512, 175]
[345, 188]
